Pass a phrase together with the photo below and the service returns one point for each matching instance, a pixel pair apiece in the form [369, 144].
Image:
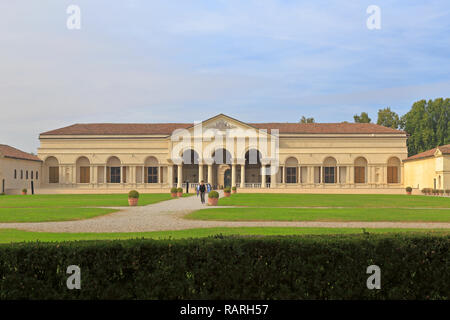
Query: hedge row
[305, 267]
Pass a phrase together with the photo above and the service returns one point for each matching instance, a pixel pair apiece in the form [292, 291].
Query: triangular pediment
[222, 122]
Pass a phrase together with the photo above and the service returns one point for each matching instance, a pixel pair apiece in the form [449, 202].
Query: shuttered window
[360, 175]
[53, 174]
[392, 174]
[85, 175]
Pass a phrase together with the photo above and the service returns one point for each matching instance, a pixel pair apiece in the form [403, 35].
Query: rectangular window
[15, 174]
[329, 174]
[26, 175]
[392, 175]
[291, 175]
[115, 174]
[37, 175]
[31, 175]
[53, 174]
[85, 175]
[152, 175]
[21, 174]
[360, 175]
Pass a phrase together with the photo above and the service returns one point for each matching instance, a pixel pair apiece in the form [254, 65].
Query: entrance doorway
[227, 178]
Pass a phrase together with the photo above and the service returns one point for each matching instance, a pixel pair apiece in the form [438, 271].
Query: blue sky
[185, 61]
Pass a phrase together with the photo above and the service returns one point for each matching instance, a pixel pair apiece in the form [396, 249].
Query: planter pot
[173, 195]
[227, 194]
[213, 201]
[179, 194]
[408, 192]
[133, 202]
[234, 191]
[24, 193]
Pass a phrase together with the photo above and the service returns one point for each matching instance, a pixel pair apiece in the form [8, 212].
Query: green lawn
[334, 200]
[77, 200]
[320, 214]
[62, 207]
[50, 214]
[12, 235]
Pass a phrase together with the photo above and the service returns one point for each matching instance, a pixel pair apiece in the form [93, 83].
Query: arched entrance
[190, 166]
[227, 178]
[221, 168]
[253, 166]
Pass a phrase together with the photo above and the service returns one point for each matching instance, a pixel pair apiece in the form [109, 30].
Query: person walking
[202, 190]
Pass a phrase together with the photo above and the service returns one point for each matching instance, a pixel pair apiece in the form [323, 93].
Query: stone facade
[343, 157]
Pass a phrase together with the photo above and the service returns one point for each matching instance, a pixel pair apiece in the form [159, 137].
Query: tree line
[427, 123]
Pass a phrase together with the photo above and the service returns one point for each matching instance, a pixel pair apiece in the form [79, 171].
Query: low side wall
[249, 190]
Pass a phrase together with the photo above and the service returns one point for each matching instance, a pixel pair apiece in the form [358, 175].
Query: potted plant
[173, 192]
[24, 191]
[213, 197]
[234, 189]
[408, 190]
[435, 192]
[447, 191]
[441, 192]
[227, 192]
[179, 192]
[133, 197]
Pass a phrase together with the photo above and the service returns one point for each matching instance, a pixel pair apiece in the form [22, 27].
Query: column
[180, 175]
[233, 175]
[104, 175]
[210, 174]
[284, 175]
[91, 173]
[321, 175]
[143, 174]
[121, 174]
[352, 174]
[242, 175]
[95, 174]
[159, 174]
[263, 176]
[338, 174]
[273, 180]
[170, 175]
[200, 173]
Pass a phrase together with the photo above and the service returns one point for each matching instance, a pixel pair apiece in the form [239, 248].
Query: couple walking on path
[201, 189]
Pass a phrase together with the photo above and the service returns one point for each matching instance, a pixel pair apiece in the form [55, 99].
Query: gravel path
[167, 215]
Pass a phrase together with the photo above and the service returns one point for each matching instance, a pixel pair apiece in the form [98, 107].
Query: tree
[388, 118]
[307, 120]
[363, 118]
[428, 125]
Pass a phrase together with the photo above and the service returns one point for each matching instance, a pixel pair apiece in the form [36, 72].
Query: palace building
[311, 157]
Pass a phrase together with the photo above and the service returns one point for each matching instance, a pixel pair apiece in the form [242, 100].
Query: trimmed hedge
[302, 267]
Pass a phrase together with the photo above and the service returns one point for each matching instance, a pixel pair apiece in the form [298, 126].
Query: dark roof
[10, 152]
[336, 128]
[430, 153]
[168, 128]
